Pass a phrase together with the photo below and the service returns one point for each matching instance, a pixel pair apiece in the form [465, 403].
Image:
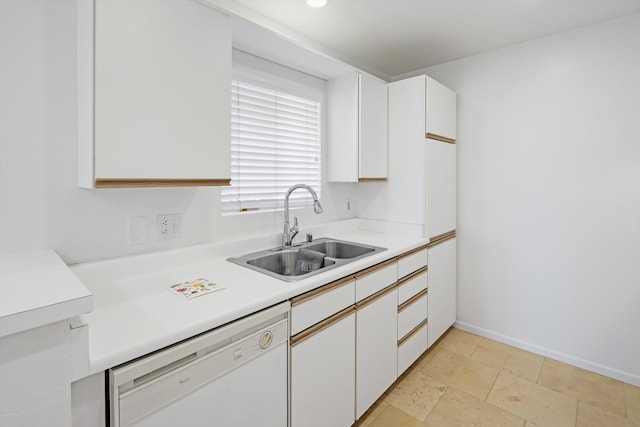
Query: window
[275, 143]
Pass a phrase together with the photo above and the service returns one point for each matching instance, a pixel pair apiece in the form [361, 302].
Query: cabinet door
[342, 129]
[372, 128]
[441, 188]
[440, 111]
[442, 288]
[376, 348]
[323, 375]
[161, 92]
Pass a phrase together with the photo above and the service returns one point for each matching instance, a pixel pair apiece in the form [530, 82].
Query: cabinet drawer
[412, 285]
[411, 348]
[412, 261]
[412, 313]
[314, 306]
[375, 278]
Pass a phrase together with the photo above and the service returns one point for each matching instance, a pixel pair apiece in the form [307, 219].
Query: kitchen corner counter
[135, 312]
[38, 289]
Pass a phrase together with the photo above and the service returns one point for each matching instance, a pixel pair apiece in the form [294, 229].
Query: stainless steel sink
[286, 262]
[339, 249]
[298, 262]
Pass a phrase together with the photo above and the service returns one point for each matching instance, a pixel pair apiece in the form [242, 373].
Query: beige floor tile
[458, 371]
[591, 416]
[425, 358]
[530, 424]
[632, 402]
[416, 394]
[597, 390]
[533, 402]
[514, 360]
[457, 408]
[368, 417]
[391, 416]
[460, 342]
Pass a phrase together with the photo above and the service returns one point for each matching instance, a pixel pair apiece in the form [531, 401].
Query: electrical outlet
[169, 226]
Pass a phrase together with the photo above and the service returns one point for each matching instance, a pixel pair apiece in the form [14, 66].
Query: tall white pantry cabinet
[420, 195]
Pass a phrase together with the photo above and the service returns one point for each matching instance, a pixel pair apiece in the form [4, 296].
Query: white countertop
[135, 313]
[36, 289]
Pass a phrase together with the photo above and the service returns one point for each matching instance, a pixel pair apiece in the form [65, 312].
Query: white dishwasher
[232, 376]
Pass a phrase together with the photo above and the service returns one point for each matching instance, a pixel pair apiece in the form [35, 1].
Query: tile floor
[468, 380]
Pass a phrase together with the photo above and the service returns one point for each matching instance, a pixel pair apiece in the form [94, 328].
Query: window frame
[254, 71]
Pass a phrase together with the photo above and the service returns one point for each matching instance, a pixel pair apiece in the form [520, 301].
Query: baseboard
[552, 354]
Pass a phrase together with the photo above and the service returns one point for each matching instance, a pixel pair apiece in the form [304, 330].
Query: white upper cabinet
[421, 196]
[154, 93]
[357, 129]
[441, 188]
[372, 126]
[440, 119]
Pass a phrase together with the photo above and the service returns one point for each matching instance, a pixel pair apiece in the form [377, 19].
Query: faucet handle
[295, 224]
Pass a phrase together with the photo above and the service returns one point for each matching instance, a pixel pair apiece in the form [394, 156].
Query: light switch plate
[137, 230]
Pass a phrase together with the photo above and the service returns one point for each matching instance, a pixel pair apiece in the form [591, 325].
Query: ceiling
[394, 37]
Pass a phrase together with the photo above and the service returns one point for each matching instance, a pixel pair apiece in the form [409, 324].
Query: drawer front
[411, 349]
[411, 315]
[319, 304]
[407, 264]
[412, 286]
[375, 279]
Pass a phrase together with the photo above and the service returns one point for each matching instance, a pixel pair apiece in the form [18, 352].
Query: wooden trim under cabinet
[321, 290]
[373, 179]
[154, 182]
[413, 332]
[375, 268]
[321, 326]
[441, 238]
[440, 138]
[365, 302]
[413, 299]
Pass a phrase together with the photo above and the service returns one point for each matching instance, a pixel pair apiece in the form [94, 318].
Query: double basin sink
[293, 263]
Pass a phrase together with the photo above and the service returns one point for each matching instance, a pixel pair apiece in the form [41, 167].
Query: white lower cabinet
[323, 374]
[376, 341]
[342, 363]
[442, 287]
[413, 307]
[411, 347]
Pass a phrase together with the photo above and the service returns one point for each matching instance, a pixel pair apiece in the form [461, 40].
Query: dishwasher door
[234, 376]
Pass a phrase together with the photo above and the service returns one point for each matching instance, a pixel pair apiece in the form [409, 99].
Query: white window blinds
[275, 143]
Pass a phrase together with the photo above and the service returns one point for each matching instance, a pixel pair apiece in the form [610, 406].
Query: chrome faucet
[290, 232]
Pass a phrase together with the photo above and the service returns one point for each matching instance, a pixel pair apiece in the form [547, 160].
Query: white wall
[549, 195]
[40, 203]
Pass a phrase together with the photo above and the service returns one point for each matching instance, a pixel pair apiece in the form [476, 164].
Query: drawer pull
[437, 137]
[413, 275]
[413, 299]
[413, 251]
[319, 327]
[413, 332]
[365, 302]
[321, 290]
[375, 268]
[441, 238]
